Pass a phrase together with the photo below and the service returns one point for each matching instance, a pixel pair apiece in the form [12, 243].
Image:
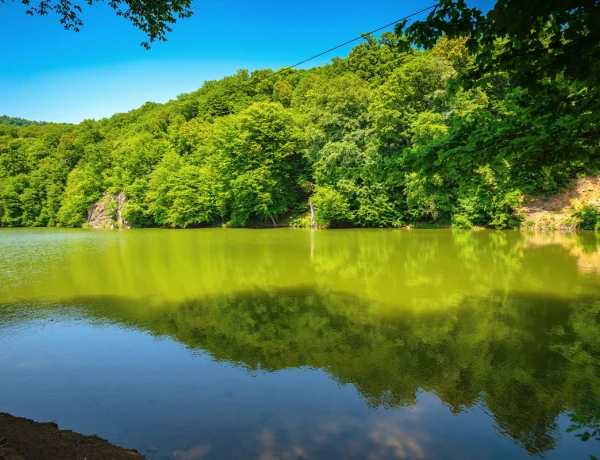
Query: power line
[325, 52]
[351, 41]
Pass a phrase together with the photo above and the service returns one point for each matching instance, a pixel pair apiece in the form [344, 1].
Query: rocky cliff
[108, 212]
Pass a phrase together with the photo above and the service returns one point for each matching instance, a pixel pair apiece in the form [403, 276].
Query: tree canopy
[6, 120]
[533, 39]
[153, 17]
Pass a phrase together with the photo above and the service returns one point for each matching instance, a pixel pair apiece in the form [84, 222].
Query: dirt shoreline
[24, 439]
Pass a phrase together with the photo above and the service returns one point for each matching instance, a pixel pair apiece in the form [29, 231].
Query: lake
[299, 344]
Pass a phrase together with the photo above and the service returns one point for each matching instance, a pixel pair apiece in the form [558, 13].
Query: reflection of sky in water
[157, 396]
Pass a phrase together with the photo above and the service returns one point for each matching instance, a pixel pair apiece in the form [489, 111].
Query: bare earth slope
[554, 213]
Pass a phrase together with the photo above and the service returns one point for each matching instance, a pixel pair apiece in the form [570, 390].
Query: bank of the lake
[24, 439]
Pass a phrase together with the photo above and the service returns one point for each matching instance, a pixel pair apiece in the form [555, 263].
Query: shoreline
[25, 439]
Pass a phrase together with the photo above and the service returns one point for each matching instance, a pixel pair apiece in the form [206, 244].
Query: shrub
[588, 217]
[331, 207]
[461, 221]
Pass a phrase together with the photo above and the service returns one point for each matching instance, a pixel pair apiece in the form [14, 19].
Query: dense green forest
[385, 137]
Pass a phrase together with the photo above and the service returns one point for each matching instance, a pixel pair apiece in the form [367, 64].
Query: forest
[388, 136]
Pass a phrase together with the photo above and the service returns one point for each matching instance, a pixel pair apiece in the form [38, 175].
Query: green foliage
[331, 207]
[428, 127]
[283, 92]
[180, 195]
[415, 87]
[531, 39]
[259, 156]
[374, 59]
[462, 221]
[150, 16]
[586, 419]
[81, 191]
[382, 138]
[376, 208]
[427, 197]
[6, 120]
[588, 217]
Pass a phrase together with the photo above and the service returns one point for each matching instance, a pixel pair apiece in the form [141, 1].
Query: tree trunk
[312, 214]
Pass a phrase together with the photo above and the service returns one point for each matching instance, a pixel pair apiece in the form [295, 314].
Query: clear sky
[49, 74]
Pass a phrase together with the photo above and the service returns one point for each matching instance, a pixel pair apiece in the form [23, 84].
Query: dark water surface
[294, 344]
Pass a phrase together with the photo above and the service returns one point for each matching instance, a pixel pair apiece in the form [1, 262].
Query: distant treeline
[6, 120]
[381, 138]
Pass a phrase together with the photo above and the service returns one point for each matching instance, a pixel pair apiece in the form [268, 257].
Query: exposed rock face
[108, 212]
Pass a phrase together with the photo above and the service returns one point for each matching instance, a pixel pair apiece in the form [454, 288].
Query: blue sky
[47, 73]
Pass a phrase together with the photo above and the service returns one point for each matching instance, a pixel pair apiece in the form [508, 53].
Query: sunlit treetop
[538, 38]
[152, 17]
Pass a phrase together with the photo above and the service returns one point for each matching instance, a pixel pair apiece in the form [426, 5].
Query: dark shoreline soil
[24, 439]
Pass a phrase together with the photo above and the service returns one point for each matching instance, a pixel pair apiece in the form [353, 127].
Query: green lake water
[299, 344]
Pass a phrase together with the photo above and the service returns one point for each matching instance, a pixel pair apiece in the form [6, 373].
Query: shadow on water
[525, 358]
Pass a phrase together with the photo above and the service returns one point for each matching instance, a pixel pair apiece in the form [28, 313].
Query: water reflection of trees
[414, 270]
[508, 319]
[527, 357]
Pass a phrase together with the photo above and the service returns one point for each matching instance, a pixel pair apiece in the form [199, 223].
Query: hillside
[6, 120]
[556, 212]
[381, 138]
